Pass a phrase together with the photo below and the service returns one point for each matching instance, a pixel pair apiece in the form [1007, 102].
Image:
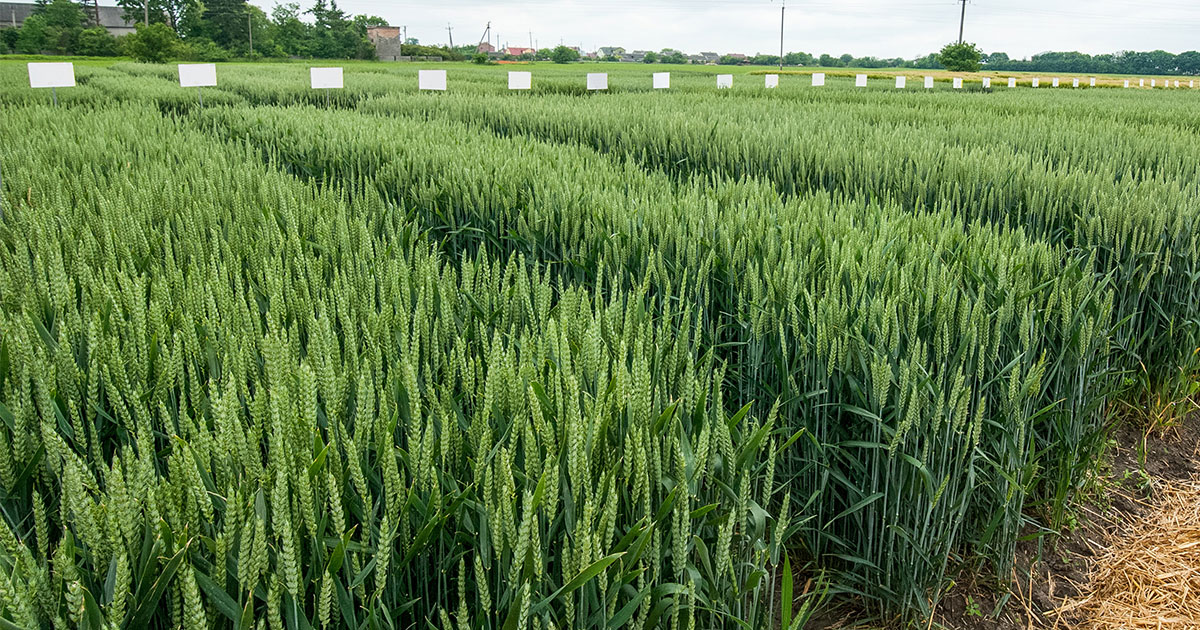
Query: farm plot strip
[917, 352]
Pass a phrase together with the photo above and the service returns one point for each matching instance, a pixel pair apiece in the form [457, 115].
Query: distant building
[376, 33]
[518, 51]
[14, 14]
[709, 57]
[485, 47]
[611, 51]
[738, 56]
[387, 41]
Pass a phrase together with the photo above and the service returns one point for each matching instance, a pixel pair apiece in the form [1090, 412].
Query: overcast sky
[860, 27]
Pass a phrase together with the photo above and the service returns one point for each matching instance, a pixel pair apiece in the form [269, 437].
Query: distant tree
[993, 59]
[798, 59]
[63, 14]
[156, 43]
[479, 58]
[728, 60]
[293, 36]
[33, 36]
[224, 22]
[672, 56]
[651, 57]
[962, 57]
[412, 41]
[1188, 63]
[96, 42]
[8, 39]
[846, 59]
[174, 13]
[562, 54]
[828, 61]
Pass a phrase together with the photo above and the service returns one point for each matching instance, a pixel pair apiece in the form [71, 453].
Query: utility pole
[146, 6]
[450, 31]
[250, 31]
[531, 39]
[962, 20]
[405, 27]
[782, 8]
[487, 35]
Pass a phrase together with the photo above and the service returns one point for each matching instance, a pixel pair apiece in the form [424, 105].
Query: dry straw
[1150, 577]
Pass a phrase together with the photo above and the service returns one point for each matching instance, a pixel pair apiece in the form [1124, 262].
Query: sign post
[198, 75]
[52, 75]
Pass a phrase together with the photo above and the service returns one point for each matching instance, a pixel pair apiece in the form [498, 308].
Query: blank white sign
[772, 80]
[1074, 82]
[724, 81]
[597, 81]
[197, 74]
[1191, 84]
[51, 75]
[1127, 83]
[520, 80]
[431, 80]
[1054, 82]
[1176, 84]
[1141, 83]
[325, 78]
[860, 80]
[1037, 82]
[987, 82]
[1012, 82]
[818, 79]
[929, 83]
[958, 83]
[901, 82]
[1092, 82]
[1153, 82]
[662, 80]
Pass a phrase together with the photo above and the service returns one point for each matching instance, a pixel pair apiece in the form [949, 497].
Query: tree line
[219, 30]
[212, 30]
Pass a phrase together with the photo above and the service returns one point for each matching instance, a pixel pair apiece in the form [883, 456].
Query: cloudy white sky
[860, 27]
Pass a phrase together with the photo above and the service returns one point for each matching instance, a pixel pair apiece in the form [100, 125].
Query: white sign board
[901, 82]
[987, 82]
[51, 75]
[1191, 84]
[1176, 84]
[325, 78]
[772, 81]
[1054, 82]
[1141, 83]
[1036, 82]
[1126, 82]
[597, 81]
[1012, 82]
[662, 80]
[1074, 83]
[724, 81]
[431, 80]
[860, 80]
[520, 80]
[197, 75]
[928, 83]
[1092, 82]
[958, 83]
[818, 79]
[1153, 82]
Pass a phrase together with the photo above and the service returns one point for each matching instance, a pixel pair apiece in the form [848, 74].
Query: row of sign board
[52, 75]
